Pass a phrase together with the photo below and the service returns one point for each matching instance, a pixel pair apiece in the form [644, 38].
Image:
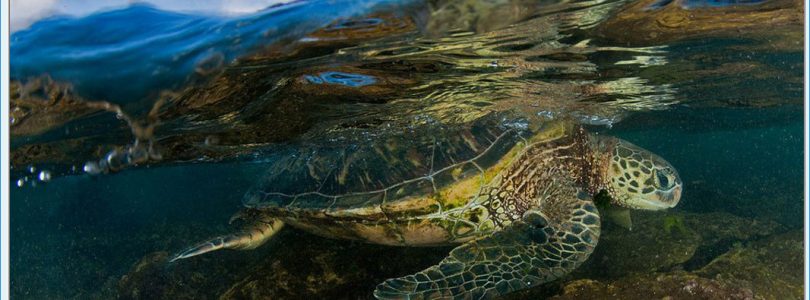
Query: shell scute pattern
[337, 179]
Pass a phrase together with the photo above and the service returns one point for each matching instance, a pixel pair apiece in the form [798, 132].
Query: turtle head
[637, 178]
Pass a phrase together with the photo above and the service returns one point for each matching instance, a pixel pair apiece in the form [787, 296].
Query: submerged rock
[669, 241]
[646, 248]
[678, 285]
[769, 268]
[772, 268]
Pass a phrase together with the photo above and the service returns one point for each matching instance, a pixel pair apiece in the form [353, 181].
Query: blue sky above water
[26, 12]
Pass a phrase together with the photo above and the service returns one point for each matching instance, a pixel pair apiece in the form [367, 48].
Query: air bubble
[20, 182]
[32, 169]
[92, 168]
[115, 160]
[45, 176]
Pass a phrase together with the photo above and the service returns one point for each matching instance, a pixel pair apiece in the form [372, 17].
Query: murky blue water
[726, 111]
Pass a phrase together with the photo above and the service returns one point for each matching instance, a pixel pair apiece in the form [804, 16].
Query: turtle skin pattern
[531, 251]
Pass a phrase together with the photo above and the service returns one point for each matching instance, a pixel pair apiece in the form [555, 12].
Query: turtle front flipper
[527, 253]
[259, 230]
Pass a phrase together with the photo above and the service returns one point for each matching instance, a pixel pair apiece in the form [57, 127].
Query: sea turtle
[518, 201]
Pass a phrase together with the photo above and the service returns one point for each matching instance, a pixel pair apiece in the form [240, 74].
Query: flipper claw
[252, 237]
[214, 244]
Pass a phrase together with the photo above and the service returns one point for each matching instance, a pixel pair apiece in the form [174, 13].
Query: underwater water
[132, 142]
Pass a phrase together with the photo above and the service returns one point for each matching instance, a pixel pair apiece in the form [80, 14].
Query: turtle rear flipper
[529, 252]
[259, 231]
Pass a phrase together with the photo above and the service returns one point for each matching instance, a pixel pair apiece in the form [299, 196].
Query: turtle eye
[662, 179]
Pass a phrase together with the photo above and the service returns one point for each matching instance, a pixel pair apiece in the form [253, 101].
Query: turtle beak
[676, 195]
[670, 198]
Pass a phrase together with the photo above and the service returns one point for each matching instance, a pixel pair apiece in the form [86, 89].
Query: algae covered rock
[153, 277]
[736, 258]
[771, 267]
[765, 269]
[669, 241]
[646, 248]
[678, 285]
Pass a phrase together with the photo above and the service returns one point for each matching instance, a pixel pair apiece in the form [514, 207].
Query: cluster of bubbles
[119, 159]
[113, 161]
[42, 176]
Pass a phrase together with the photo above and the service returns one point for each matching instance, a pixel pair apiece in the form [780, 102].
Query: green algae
[674, 221]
